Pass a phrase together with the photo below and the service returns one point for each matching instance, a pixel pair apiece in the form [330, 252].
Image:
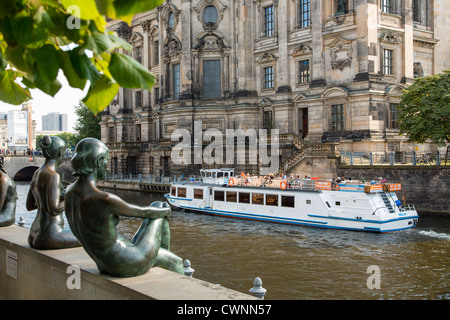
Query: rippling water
[297, 262]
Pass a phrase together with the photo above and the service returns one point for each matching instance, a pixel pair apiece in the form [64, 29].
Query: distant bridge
[22, 168]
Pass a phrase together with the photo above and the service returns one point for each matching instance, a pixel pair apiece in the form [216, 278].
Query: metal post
[392, 158]
[438, 158]
[414, 158]
[140, 177]
[257, 290]
[351, 158]
[371, 158]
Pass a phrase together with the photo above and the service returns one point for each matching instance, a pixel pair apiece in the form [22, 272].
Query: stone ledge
[42, 274]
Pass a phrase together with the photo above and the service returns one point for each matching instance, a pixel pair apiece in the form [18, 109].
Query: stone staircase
[300, 146]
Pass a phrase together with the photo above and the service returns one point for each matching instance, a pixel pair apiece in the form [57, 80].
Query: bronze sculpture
[93, 215]
[8, 197]
[47, 195]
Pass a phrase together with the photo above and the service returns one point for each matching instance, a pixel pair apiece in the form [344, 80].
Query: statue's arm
[3, 191]
[31, 202]
[122, 208]
[54, 206]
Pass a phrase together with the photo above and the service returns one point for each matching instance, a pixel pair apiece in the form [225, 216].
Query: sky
[63, 102]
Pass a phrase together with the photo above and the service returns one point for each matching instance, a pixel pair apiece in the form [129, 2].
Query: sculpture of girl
[46, 194]
[93, 215]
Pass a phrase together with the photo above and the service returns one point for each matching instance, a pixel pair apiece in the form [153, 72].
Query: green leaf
[87, 9]
[99, 42]
[26, 34]
[10, 91]
[71, 75]
[129, 73]
[47, 62]
[83, 66]
[106, 7]
[101, 94]
[49, 87]
[125, 9]
[3, 62]
[42, 19]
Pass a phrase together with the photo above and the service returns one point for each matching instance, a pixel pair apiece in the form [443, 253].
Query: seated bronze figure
[46, 194]
[94, 214]
[8, 198]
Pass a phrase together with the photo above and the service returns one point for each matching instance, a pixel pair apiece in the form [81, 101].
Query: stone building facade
[319, 71]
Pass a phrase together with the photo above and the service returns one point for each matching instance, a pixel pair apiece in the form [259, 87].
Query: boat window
[219, 174]
[244, 197]
[338, 203]
[231, 196]
[288, 201]
[203, 173]
[182, 192]
[173, 191]
[226, 174]
[198, 194]
[272, 200]
[219, 195]
[308, 201]
[257, 198]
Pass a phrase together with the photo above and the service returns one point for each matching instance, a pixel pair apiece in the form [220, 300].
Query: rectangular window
[138, 99]
[388, 61]
[244, 197]
[181, 192]
[212, 82]
[268, 21]
[288, 201]
[337, 117]
[303, 71]
[173, 191]
[198, 194]
[219, 195]
[156, 52]
[393, 116]
[258, 198]
[386, 6]
[304, 13]
[231, 196]
[415, 10]
[176, 81]
[272, 200]
[138, 54]
[268, 121]
[268, 78]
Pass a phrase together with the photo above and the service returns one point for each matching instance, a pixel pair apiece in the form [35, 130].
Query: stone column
[318, 63]
[408, 47]
[366, 45]
[186, 71]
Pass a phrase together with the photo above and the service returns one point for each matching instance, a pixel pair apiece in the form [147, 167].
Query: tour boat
[354, 205]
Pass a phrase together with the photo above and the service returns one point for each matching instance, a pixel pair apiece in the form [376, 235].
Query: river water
[297, 262]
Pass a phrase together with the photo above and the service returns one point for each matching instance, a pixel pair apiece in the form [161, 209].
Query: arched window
[210, 15]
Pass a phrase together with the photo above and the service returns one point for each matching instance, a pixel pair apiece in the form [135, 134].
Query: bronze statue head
[91, 156]
[52, 147]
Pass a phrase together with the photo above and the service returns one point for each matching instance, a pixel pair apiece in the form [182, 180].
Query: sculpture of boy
[47, 195]
[93, 215]
[8, 197]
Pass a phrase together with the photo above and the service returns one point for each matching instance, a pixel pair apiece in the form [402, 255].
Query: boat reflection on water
[296, 262]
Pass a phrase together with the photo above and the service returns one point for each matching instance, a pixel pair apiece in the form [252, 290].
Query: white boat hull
[324, 209]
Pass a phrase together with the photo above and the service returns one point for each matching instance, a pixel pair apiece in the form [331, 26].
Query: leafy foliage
[40, 37]
[87, 124]
[424, 109]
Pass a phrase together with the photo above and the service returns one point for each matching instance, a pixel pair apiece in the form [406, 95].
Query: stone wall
[424, 186]
[28, 274]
